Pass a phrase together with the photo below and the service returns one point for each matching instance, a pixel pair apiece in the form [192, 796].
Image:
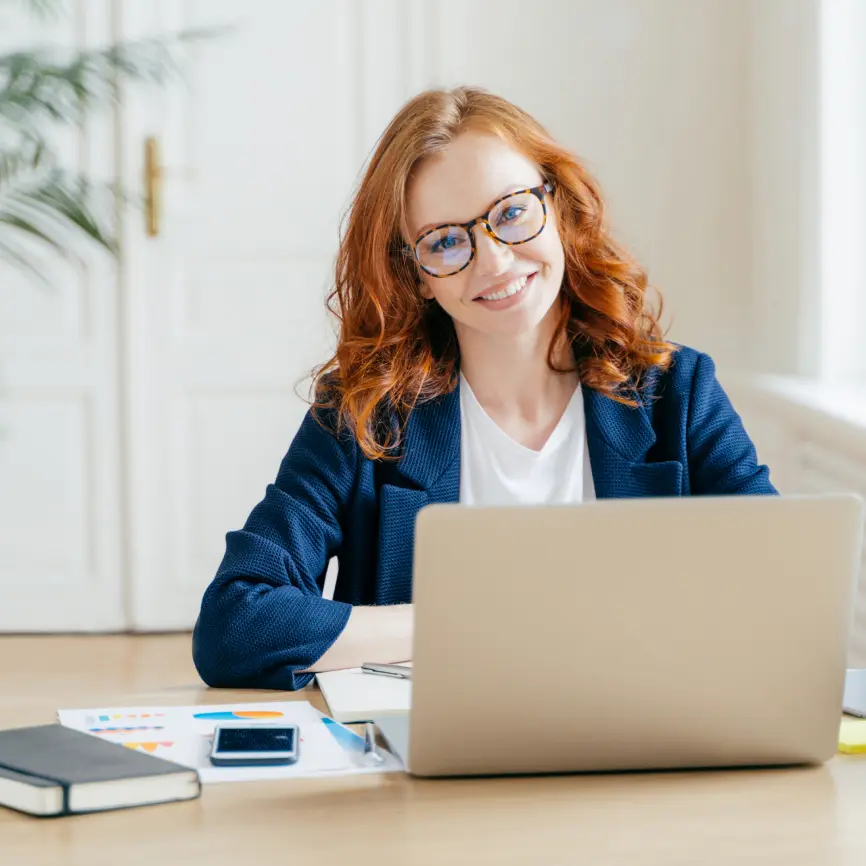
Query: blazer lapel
[431, 464]
[431, 454]
[619, 438]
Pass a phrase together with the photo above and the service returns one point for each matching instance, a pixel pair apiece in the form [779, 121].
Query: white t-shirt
[496, 470]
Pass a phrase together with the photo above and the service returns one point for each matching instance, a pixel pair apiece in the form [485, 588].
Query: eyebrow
[514, 187]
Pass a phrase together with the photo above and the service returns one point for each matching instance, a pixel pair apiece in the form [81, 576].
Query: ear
[424, 289]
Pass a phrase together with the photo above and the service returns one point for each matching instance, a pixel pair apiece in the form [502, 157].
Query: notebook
[54, 770]
[353, 696]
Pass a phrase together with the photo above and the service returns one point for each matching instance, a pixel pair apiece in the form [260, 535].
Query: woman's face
[455, 187]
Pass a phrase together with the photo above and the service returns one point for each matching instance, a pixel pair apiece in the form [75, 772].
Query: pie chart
[239, 714]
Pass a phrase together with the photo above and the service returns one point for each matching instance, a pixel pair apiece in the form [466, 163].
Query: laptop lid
[631, 634]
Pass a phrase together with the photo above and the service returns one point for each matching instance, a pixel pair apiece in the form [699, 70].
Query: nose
[493, 258]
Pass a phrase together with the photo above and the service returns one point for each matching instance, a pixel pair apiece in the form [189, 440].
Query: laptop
[629, 635]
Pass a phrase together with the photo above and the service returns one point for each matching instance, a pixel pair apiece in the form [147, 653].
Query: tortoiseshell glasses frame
[539, 192]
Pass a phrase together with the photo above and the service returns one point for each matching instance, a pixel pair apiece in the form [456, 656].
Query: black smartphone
[239, 745]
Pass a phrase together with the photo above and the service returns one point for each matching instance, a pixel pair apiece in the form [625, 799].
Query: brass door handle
[152, 187]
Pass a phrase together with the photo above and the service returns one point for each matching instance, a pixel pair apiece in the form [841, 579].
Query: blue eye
[443, 245]
[510, 213]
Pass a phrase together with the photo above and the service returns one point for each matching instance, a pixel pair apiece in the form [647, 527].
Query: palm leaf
[42, 88]
[34, 219]
[41, 8]
[59, 201]
[37, 85]
[27, 227]
[30, 156]
[52, 211]
[72, 198]
[18, 257]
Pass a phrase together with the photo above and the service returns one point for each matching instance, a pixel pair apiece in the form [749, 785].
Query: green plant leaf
[38, 84]
[71, 198]
[31, 156]
[42, 8]
[26, 226]
[46, 87]
[37, 87]
[16, 256]
[56, 208]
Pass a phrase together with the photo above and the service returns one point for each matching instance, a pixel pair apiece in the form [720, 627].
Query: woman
[495, 348]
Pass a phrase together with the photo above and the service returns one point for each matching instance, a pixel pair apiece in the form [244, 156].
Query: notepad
[852, 736]
[53, 770]
[353, 696]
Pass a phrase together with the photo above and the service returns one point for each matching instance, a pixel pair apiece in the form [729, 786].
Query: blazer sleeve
[722, 458]
[263, 617]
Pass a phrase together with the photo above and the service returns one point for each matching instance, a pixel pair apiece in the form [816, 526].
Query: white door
[61, 514]
[261, 148]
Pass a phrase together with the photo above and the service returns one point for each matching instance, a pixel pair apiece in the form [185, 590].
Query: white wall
[842, 205]
[654, 95]
[699, 117]
[785, 306]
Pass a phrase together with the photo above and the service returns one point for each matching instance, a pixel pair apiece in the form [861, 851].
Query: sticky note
[852, 736]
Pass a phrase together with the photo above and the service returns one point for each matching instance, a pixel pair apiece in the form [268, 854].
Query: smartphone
[245, 745]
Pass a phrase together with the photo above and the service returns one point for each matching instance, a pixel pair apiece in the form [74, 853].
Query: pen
[401, 671]
[370, 748]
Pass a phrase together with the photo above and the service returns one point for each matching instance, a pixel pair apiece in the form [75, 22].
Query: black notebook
[53, 770]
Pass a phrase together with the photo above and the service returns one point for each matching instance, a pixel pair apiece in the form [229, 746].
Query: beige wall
[785, 306]
[701, 120]
[654, 95]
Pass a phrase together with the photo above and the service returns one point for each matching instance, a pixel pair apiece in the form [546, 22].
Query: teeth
[507, 292]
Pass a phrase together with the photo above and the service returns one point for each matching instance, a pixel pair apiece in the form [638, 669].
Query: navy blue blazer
[263, 617]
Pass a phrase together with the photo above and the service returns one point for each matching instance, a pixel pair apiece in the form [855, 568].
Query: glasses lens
[444, 251]
[517, 218]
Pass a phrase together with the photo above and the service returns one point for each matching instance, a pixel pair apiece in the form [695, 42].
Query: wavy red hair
[395, 349]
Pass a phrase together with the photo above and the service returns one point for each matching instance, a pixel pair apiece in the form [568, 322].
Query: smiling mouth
[513, 288]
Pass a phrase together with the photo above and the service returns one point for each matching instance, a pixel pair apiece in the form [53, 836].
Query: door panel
[61, 515]
[262, 147]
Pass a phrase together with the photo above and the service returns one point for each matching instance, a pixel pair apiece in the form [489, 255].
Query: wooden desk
[811, 816]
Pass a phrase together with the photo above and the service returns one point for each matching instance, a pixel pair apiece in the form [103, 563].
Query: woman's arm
[372, 634]
[263, 621]
[722, 458]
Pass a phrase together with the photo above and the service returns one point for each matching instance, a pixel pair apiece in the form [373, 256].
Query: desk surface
[813, 816]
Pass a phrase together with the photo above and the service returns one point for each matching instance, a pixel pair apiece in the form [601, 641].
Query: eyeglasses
[513, 219]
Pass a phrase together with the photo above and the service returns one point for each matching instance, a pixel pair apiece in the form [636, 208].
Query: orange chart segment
[240, 714]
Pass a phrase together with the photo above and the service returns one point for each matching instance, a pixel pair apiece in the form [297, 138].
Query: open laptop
[629, 634]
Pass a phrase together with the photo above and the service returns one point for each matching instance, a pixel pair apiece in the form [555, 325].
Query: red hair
[395, 349]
